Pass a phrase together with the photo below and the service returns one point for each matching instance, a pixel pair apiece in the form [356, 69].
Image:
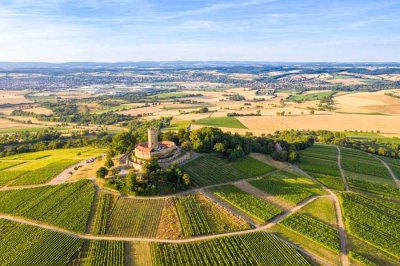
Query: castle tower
[152, 138]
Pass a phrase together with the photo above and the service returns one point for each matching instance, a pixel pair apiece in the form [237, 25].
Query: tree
[186, 146]
[186, 179]
[109, 162]
[101, 172]
[219, 147]
[123, 142]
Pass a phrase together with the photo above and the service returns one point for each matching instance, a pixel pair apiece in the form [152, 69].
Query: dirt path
[396, 180]
[144, 239]
[339, 219]
[229, 208]
[339, 163]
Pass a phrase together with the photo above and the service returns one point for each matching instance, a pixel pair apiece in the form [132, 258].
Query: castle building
[166, 152]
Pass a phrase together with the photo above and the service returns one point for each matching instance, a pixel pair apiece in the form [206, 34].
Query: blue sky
[257, 30]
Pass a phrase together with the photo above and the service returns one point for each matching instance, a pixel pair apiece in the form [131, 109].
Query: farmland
[207, 170]
[258, 209]
[199, 216]
[249, 249]
[252, 167]
[291, 187]
[27, 245]
[366, 173]
[101, 252]
[314, 230]
[381, 227]
[134, 217]
[230, 122]
[66, 206]
[41, 167]
[310, 96]
[321, 162]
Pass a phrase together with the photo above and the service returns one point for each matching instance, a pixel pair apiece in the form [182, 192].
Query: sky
[200, 30]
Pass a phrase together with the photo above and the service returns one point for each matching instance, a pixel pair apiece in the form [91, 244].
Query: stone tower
[152, 138]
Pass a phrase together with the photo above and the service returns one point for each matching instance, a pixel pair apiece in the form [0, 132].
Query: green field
[310, 97]
[27, 245]
[373, 220]
[252, 167]
[320, 161]
[199, 216]
[180, 124]
[291, 187]
[66, 206]
[103, 252]
[250, 249]
[209, 169]
[133, 217]
[223, 121]
[170, 95]
[366, 173]
[41, 167]
[258, 209]
[314, 229]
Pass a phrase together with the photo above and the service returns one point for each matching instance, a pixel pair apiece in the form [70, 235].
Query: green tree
[101, 172]
[109, 162]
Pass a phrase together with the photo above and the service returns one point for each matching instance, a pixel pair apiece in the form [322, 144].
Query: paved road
[339, 163]
[339, 219]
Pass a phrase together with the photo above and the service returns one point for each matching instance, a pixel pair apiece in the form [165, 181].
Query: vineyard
[288, 186]
[394, 164]
[252, 167]
[258, 209]
[209, 169]
[102, 252]
[135, 217]
[321, 162]
[40, 167]
[366, 173]
[27, 245]
[381, 228]
[250, 249]
[313, 229]
[66, 206]
[199, 216]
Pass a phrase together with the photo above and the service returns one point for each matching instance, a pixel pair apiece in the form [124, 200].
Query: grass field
[259, 210]
[199, 216]
[209, 169]
[291, 187]
[322, 209]
[27, 245]
[250, 249]
[224, 121]
[41, 167]
[310, 97]
[66, 206]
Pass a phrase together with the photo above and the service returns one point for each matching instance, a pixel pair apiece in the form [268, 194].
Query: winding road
[396, 180]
